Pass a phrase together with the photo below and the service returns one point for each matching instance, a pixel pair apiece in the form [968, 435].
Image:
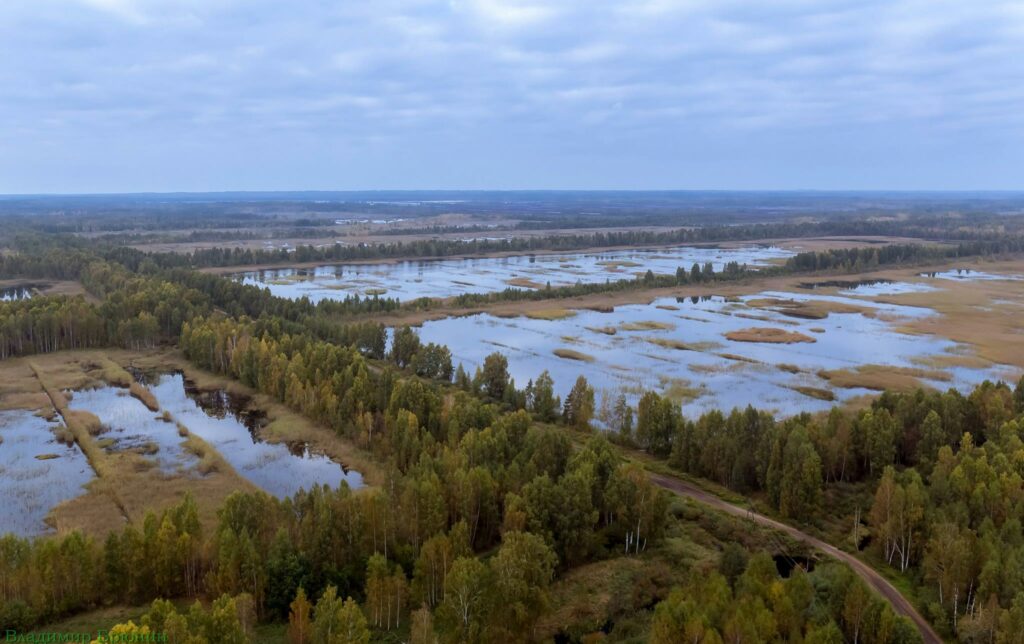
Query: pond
[129, 426]
[231, 426]
[19, 292]
[37, 472]
[870, 287]
[679, 347]
[409, 280]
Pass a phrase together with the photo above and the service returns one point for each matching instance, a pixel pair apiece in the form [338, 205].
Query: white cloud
[553, 73]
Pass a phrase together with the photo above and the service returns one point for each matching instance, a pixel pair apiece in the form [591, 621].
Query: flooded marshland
[971, 275]
[37, 471]
[129, 426]
[409, 280]
[780, 351]
[228, 424]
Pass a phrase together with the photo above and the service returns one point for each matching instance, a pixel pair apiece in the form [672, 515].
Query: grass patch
[550, 314]
[144, 395]
[524, 282]
[952, 360]
[769, 335]
[376, 291]
[46, 457]
[679, 391]
[789, 368]
[738, 358]
[572, 354]
[881, 377]
[666, 307]
[815, 392]
[647, 325]
[607, 330]
[113, 373]
[808, 309]
[671, 343]
[613, 264]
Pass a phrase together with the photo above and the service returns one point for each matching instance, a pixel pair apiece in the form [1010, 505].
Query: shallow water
[11, 293]
[969, 275]
[131, 426]
[30, 487]
[443, 278]
[224, 422]
[721, 373]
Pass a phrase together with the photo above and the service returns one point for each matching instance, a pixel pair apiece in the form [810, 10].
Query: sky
[205, 95]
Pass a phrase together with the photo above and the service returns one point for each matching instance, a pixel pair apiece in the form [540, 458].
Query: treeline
[42, 325]
[867, 258]
[425, 248]
[747, 601]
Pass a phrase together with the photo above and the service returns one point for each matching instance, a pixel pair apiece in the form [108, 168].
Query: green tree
[542, 401]
[493, 378]
[578, 409]
[404, 346]
[467, 599]
[522, 570]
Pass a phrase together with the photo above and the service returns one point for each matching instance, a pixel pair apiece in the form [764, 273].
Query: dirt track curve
[875, 580]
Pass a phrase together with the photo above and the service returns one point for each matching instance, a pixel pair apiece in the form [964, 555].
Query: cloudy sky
[157, 95]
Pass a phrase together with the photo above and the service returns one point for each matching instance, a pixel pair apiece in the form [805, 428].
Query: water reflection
[443, 278]
[129, 426]
[970, 275]
[20, 292]
[684, 351]
[229, 424]
[37, 472]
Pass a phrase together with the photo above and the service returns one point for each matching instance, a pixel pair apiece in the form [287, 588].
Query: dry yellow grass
[947, 360]
[524, 282]
[815, 392]
[607, 330]
[647, 325]
[572, 354]
[550, 314]
[144, 395]
[671, 343]
[808, 309]
[881, 377]
[738, 358]
[769, 335]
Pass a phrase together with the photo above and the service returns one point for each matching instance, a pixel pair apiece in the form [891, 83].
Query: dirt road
[884, 588]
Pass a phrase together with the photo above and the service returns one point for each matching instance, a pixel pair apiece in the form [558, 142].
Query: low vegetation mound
[572, 354]
[550, 314]
[647, 325]
[808, 309]
[881, 377]
[769, 335]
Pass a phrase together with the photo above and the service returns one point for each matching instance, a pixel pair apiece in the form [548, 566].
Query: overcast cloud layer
[156, 95]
